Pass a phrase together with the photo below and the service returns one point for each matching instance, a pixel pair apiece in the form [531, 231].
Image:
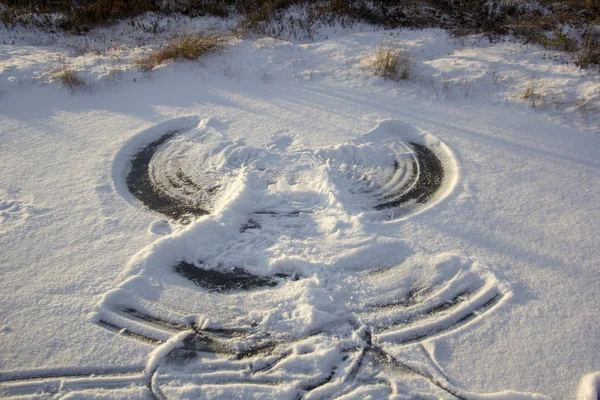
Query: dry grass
[78, 16]
[69, 78]
[559, 40]
[589, 53]
[391, 63]
[534, 95]
[529, 93]
[532, 21]
[190, 47]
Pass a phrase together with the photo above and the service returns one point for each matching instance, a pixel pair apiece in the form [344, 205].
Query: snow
[505, 251]
[588, 388]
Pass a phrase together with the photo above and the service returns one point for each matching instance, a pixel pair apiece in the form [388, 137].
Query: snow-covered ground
[488, 285]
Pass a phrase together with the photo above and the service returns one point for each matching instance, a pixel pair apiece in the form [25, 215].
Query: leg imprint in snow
[279, 280]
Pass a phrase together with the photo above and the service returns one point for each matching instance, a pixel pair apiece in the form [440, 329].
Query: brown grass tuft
[534, 95]
[391, 63]
[69, 78]
[190, 47]
[589, 53]
[529, 93]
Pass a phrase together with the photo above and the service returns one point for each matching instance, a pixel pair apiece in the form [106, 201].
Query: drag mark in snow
[193, 359]
[44, 382]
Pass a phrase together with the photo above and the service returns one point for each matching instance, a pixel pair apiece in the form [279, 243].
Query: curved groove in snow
[184, 171]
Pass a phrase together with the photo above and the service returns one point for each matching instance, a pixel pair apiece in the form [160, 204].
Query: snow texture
[276, 222]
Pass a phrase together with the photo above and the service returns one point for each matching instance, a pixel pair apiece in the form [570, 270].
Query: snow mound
[589, 387]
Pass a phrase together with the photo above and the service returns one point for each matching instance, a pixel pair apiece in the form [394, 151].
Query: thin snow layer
[489, 287]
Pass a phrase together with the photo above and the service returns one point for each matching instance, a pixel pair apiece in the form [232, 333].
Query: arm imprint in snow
[168, 189]
[142, 183]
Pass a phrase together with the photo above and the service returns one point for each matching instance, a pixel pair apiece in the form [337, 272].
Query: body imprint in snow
[283, 277]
